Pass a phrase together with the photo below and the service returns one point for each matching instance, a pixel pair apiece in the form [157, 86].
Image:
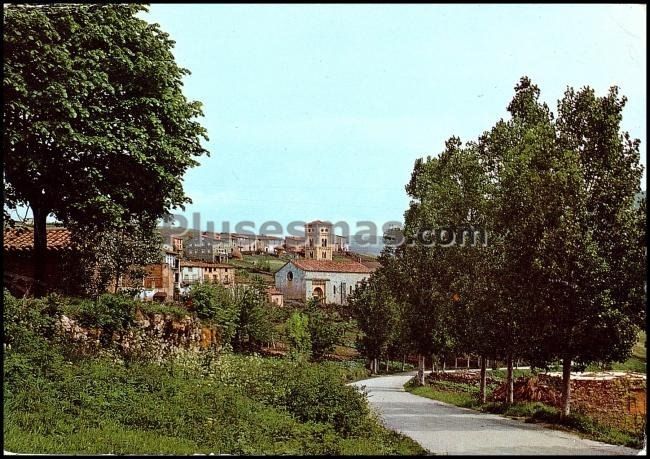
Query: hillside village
[508, 280]
[319, 265]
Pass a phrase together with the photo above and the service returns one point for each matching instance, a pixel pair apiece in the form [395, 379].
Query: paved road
[447, 429]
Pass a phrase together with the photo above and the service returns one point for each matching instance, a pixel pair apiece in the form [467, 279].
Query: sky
[319, 111]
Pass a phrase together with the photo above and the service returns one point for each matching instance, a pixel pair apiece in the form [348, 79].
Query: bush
[239, 405]
[297, 329]
[324, 330]
[214, 303]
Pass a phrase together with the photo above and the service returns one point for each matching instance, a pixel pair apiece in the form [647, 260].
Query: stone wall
[153, 336]
[617, 402]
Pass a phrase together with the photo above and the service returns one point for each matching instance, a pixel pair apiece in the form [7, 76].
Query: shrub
[297, 329]
[214, 303]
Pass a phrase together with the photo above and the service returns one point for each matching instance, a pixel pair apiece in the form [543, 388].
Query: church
[318, 275]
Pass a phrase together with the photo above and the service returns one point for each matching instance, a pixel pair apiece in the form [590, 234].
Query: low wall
[153, 336]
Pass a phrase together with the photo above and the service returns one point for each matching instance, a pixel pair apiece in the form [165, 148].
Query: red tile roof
[23, 239]
[331, 266]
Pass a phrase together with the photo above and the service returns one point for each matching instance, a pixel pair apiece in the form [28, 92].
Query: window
[335, 290]
[323, 242]
[290, 276]
[323, 255]
[350, 289]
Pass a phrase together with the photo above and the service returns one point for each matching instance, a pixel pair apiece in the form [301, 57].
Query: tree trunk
[509, 382]
[39, 253]
[444, 364]
[566, 387]
[468, 362]
[482, 394]
[420, 370]
[403, 362]
[376, 366]
[387, 361]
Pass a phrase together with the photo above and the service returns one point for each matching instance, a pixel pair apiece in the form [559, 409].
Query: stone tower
[319, 240]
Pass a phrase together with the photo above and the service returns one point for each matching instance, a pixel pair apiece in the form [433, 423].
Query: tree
[254, 325]
[569, 288]
[105, 256]
[297, 329]
[215, 303]
[375, 312]
[593, 259]
[97, 129]
[445, 211]
[323, 329]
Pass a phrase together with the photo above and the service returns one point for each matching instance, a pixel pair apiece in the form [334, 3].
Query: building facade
[197, 272]
[328, 281]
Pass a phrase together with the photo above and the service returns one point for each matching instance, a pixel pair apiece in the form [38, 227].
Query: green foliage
[98, 131]
[375, 312]
[255, 315]
[324, 329]
[109, 312]
[297, 331]
[264, 265]
[235, 405]
[242, 312]
[462, 399]
[214, 303]
[555, 194]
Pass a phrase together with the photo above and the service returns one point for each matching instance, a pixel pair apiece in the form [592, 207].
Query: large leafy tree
[593, 256]
[568, 239]
[97, 129]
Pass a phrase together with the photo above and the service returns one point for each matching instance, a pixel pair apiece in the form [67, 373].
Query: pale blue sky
[319, 111]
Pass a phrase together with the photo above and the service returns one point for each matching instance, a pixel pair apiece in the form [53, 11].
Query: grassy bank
[233, 405]
[58, 401]
[466, 396]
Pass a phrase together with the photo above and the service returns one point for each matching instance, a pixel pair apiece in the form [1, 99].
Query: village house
[193, 272]
[161, 281]
[328, 281]
[19, 265]
[210, 247]
[294, 244]
[246, 243]
[268, 244]
[275, 296]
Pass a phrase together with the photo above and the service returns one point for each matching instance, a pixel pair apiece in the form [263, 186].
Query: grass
[462, 399]
[466, 396]
[58, 400]
[241, 405]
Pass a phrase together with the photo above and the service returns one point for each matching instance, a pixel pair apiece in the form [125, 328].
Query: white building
[329, 281]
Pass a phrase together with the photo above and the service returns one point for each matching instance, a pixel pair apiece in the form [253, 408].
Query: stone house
[193, 272]
[275, 296]
[209, 247]
[246, 243]
[328, 281]
[268, 244]
[293, 244]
